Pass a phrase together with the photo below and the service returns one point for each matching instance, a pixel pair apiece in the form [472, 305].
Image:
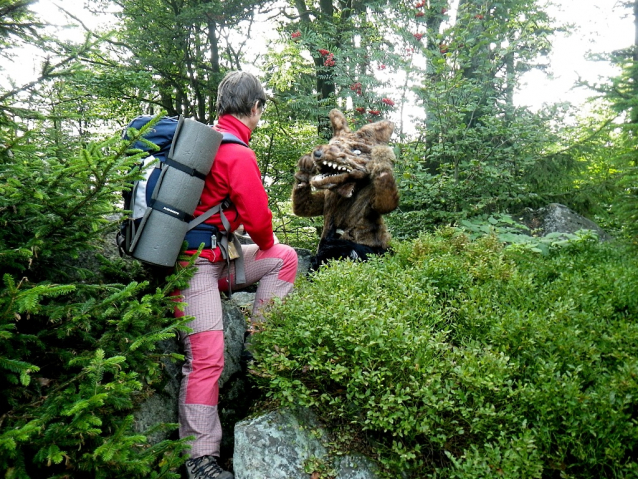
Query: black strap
[171, 210]
[186, 169]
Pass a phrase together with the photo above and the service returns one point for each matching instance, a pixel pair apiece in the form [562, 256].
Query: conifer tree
[79, 333]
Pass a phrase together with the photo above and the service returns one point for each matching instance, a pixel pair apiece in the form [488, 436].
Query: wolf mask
[350, 182]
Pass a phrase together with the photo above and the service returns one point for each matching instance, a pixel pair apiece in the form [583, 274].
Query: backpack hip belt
[208, 235]
[228, 243]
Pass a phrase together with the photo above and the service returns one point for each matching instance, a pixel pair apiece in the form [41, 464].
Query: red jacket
[235, 174]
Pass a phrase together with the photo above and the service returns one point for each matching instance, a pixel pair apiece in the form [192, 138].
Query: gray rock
[303, 257]
[243, 300]
[276, 445]
[161, 407]
[356, 467]
[234, 330]
[289, 444]
[557, 218]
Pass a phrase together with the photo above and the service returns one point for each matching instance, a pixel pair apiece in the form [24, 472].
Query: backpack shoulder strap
[226, 138]
[230, 138]
[227, 236]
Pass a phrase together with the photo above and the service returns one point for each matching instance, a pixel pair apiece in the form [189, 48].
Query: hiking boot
[206, 467]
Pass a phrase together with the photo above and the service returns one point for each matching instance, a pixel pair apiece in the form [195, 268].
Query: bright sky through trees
[601, 26]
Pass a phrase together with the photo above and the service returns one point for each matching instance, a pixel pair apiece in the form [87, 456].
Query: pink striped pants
[275, 270]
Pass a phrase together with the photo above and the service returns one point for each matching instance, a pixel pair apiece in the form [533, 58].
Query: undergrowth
[457, 358]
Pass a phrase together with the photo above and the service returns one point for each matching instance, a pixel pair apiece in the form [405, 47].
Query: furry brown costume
[350, 182]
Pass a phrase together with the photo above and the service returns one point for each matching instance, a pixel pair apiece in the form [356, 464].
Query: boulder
[234, 331]
[303, 257]
[161, 407]
[557, 218]
[292, 444]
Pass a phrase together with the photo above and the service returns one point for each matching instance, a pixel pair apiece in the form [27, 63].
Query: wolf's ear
[378, 132]
[339, 123]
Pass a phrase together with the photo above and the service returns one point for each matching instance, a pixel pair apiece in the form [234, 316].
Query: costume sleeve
[249, 197]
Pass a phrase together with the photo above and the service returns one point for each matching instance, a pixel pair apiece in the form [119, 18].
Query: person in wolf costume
[350, 182]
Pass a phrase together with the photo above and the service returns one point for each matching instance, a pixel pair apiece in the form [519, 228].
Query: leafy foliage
[620, 93]
[455, 358]
[78, 353]
[17, 21]
[183, 48]
[279, 143]
[476, 152]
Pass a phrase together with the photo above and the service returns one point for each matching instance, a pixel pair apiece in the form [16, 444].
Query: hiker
[235, 175]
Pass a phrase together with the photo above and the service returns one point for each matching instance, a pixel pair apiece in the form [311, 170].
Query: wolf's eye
[356, 152]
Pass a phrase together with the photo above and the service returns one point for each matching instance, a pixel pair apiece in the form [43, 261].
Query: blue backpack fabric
[161, 135]
[139, 198]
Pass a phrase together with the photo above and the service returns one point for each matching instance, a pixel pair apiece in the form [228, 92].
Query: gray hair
[238, 92]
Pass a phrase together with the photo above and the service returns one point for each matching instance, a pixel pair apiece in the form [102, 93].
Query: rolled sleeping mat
[193, 149]
[162, 229]
[159, 238]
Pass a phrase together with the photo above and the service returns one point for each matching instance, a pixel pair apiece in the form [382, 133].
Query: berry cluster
[357, 88]
[329, 61]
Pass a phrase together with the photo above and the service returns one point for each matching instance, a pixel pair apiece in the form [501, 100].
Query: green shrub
[458, 358]
[78, 349]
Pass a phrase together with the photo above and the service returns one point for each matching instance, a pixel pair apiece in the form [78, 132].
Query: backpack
[163, 201]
